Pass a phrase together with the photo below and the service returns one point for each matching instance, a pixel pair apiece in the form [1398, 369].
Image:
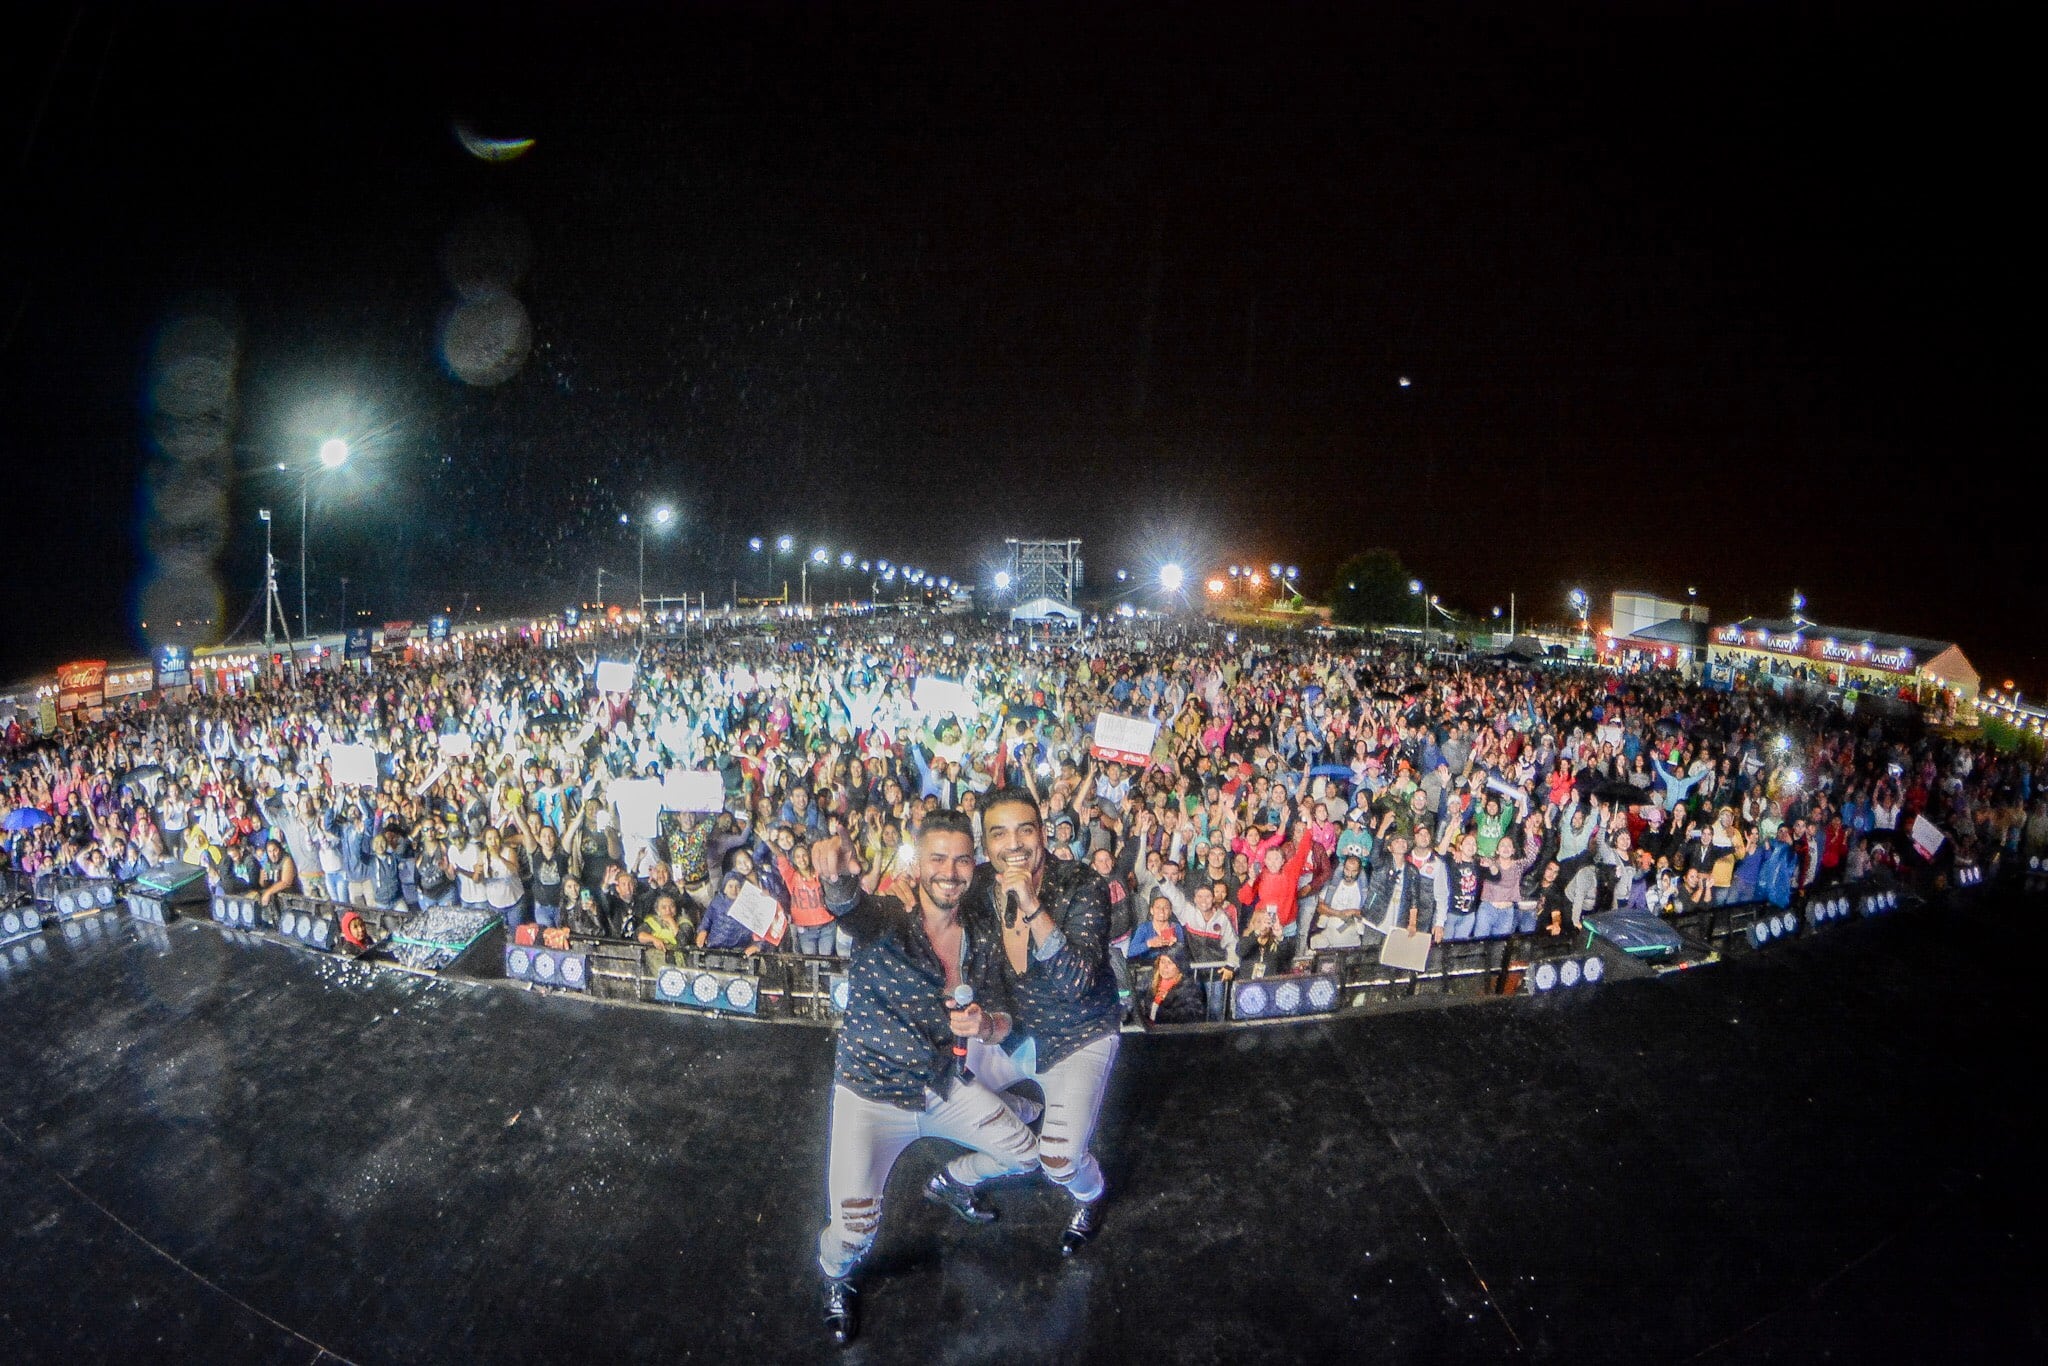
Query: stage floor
[221, 1151]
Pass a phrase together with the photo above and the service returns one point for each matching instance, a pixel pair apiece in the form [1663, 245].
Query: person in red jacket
[1277, 883]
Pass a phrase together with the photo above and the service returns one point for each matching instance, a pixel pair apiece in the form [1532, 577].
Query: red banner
[81, 686]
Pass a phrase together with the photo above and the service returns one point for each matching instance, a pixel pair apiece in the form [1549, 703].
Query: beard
[943, 894]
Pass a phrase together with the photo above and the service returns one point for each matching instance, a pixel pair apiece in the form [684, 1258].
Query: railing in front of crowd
[812, 989]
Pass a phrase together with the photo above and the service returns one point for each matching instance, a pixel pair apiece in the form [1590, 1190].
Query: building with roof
[1844, 657]
[1647, 631]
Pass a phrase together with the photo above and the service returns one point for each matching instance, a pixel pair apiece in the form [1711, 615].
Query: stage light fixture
[1595, 968]
[1545, 976]
[19, 922]
[1568, 973]
[1278, 997]
[313, 924]
[568, 969]
[723, 991]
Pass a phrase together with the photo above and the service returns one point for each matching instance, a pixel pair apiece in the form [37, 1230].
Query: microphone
[963, 997]
[1010, 909]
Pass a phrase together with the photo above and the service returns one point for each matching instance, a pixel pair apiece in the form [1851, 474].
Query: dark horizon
[1688, 295]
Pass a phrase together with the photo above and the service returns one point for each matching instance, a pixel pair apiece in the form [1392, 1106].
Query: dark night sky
[1731, 295]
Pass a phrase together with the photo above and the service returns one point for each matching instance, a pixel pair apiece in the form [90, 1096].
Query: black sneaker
[942, 1189]
[842, 1310]
[1080, 1228]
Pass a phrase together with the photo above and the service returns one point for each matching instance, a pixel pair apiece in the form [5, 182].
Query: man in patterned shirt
[896, 1075]
[1053, 916]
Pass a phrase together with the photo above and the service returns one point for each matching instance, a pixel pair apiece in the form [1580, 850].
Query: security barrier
[811, 989]
[1511, 965]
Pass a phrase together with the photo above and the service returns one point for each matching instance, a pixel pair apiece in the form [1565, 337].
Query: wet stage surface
[222, 1151]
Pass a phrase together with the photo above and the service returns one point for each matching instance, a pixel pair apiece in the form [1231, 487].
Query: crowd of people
[1303, 795]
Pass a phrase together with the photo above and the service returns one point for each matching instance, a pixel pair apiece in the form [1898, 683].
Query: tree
[1371, 589]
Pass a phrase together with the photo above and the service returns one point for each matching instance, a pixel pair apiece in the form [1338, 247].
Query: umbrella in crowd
[1620, 794]
[24, 818]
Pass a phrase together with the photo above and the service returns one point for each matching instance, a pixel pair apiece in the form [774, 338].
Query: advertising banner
[82, 687]
[130, 680]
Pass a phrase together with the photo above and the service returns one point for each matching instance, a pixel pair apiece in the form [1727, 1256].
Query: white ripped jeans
[868, 1136]
[1073, 1101]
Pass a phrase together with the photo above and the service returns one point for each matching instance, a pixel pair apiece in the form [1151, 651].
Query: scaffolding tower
[1045, 569]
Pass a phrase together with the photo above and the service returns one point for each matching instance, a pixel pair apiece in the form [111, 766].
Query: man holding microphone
[1053, 916]
[900, 1073]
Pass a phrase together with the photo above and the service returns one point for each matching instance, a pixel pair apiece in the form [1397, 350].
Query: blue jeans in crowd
[547, 917]
[1494, 922]
[822, 940]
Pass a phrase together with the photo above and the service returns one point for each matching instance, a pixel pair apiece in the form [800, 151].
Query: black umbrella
[551, 720]
[1617, 793]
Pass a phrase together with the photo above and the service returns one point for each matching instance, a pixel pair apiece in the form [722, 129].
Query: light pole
[661, 516]
[1582, 603]
[819, 555]
[269, 579]
[1415, 587]
[333, 455]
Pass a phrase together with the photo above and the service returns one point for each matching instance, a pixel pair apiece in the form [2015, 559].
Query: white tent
[1050, 610]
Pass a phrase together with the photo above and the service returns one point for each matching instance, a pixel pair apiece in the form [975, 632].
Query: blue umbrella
[1332, 771]
[25, 818]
